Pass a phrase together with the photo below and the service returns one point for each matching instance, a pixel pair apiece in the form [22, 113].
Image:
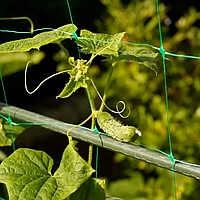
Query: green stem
[91, 145]
[90, 154]
[93, 109]
[90, 99]
[64, 49]
[107, 87]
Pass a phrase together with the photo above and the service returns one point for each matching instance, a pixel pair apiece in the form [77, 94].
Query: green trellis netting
[16, 116]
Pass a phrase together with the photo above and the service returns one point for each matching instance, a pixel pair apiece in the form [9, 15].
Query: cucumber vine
[113, 50]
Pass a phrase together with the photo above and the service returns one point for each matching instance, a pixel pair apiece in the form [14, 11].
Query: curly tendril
[20, 18]
[31, 92]
[124, 107]
[117, 105]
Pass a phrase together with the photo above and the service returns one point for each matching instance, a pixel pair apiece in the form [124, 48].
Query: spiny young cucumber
[115, 129]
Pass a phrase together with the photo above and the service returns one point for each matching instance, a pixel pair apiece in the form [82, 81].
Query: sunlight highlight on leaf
[27, 174]
[23, 45]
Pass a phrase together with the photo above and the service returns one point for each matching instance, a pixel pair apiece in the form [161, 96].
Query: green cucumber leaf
[78, 77]
[142, 55]
[41, 39]
[27, 174]
[90, 190]
[100, 43]
[71, 87]
[6, 133]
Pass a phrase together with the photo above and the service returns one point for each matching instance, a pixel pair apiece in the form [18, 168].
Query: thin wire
[162, 51]
[74, 32]
[89, 98]
[96, 131]
[9, 118]
[20, 18]
[28, 32]
[70, 13]
[108, 42]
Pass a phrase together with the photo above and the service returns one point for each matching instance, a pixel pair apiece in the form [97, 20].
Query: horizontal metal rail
[86, 135]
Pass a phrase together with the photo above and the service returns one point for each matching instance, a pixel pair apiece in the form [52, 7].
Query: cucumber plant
[26, 172]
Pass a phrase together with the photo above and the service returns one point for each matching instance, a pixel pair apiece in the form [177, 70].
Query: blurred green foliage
[11, 63]
[143, 92]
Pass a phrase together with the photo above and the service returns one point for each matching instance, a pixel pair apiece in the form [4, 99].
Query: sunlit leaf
[103, 44]
[6, 133]
[142, 55]
[39, 40]
[27, 174]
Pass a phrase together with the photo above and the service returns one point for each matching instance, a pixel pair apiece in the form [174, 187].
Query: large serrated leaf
[27, 175]
[6, 133]
[90, 190]
[99, 43]
[142, 55]
[39, 40]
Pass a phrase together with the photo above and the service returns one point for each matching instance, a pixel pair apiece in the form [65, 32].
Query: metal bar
[86, 135]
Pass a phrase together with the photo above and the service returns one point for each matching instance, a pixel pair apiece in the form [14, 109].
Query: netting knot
[75, 35]
[95, 130]
[9, 120]
[171, 157]
[162, 51]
